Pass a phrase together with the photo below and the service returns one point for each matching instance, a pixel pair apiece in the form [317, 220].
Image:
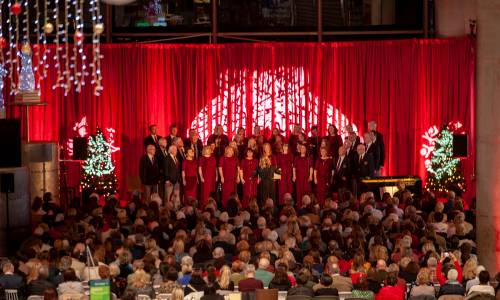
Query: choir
[255, 167]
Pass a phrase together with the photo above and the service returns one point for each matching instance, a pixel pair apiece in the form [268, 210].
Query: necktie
[175, 160]
[360, 158]
[195, 151]
[339, 163]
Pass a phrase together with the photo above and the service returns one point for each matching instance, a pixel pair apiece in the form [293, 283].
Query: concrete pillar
[488, 134]
[452, 16]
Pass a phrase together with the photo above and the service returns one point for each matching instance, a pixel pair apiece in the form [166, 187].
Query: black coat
[380, 142]
[149, 171]
[38, 287]
[374, 150]
[172, 170]
[197, 150]
[149, 140]
[365, 167]
[451, 289]
[327, 292]
[161, 156]
[342, 173]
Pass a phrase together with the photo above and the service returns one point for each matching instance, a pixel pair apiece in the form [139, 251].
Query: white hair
[264, 263]
[452, 275]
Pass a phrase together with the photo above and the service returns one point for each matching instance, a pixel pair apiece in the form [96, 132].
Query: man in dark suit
[161, 155]
[172, 171]
[11, 281]
[250, 284]
[220, 140]
[379, 140]
[172, 134]
[181, 152]
[342, 173]
[194, 142]
[149, 172]
[373, 149]
[364, 163]
[152, 138]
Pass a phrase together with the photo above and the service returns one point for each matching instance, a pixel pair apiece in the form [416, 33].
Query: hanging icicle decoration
[57, 58]
[96, 47]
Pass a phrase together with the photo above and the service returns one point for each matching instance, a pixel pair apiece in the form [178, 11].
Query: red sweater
[390, 293]
[442, 278]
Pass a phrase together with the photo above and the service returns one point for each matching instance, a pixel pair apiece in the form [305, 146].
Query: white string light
[96, 48]
[57, 58]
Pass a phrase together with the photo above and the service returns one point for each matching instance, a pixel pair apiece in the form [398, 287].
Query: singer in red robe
[285, 165]
[248, 166]
[323, 175]
[302, 174]
[207, 169]
[228, 172]
[190, 176]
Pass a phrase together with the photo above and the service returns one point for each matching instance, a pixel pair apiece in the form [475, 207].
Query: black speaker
[10, 143]
[7, 183]
[460, 145]
[39, 152]
[80, 148]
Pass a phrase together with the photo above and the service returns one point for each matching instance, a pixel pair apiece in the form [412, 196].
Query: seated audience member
[475, 280]
[37, 280]
[140, 282]
[250, 284]
[341, 283]
[186, 270]
[484, 286]
[301, 289]
[224, 281]
[169, 279]
[177, 293]
[361, 290]
[71, 284]
[280, 280]
[424, 285]
[11, 281]
[262, 273]
[210, 293]
[50, 294]
[325, 287]
[456, 265]
[196, 283]
[391, 291]
[237, 275]
[452, 286]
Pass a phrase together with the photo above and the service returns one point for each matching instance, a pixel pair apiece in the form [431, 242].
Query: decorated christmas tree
[444, 173]
[99, 170]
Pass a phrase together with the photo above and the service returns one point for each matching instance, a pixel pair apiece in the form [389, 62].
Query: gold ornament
[26, 49]
[48, 28]
[98, 28]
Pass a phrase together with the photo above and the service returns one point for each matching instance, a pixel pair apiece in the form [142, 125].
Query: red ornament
[79, 36]
[35, 47]
[16, 8]
[3, 43]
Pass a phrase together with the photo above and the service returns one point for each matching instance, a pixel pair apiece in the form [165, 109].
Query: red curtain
[405, 85]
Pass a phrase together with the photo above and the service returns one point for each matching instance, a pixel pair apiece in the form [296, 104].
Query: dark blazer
[199, 146]
[250, 285]
[327, 292]
[172, 170]
[169, 139]
[301, 290]
[381, 146]
[38, 287]
[212, 297]
[374, 150]
[161, 162]
[365, 167]
[342, 174]
[150, 141]
[13, 282]
[149, 171]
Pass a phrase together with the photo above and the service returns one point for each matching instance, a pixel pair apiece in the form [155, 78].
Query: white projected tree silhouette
[278, 98]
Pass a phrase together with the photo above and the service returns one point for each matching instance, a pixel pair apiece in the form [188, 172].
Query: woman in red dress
[285, 164]
[302, 174]
[323, 175]
[228, 172]
[248, 178]
[190, 176]
[207, 170]
[334, 142]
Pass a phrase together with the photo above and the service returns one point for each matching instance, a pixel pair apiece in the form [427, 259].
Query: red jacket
[442, 278]
[390, 293]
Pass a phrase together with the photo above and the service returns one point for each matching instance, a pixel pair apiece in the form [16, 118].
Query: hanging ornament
[79, 36]
[3, 43]
[26, 75]
[48, 28]
[3, 73]
[98, 28]
[26, 49]
[16, 8]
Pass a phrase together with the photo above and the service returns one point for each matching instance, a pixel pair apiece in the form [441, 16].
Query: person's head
[207, 151]
[229, 151]
[361, 149]
[265, 162]
[151, 150]
[314, 130]
[69, 275]
[186, 264]
[218, 253]
[326, 280]
[50, 294]
[302, 278]
[452, 275]
[334, 269]
[104, 272]
[250, 271]
[323, 152]
[423, 276]
[391, 280]
[193, 135]
[177, 293]
[372, 126]
[152, 129]
[264, 263]
[172, 150]
[8, 267]
[302, 149]
[218, 130]
[173, 130]
[249, 153]
[190, 153]
[381, 265]
[163, 143]
[332, 130]
[484, 277]
[256, 130]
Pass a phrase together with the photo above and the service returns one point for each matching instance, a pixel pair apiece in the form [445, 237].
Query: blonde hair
[225, 277]
[178, 245]
[228, 150]
[266, 147]
[34, 272]
[177, 293]
[423, 276]
[265, 162]
[206, 151]
[186, 264]
[139, 279]
[469, 269]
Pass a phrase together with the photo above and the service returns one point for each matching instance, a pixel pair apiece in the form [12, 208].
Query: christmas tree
[99, 170]
[443, 173]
